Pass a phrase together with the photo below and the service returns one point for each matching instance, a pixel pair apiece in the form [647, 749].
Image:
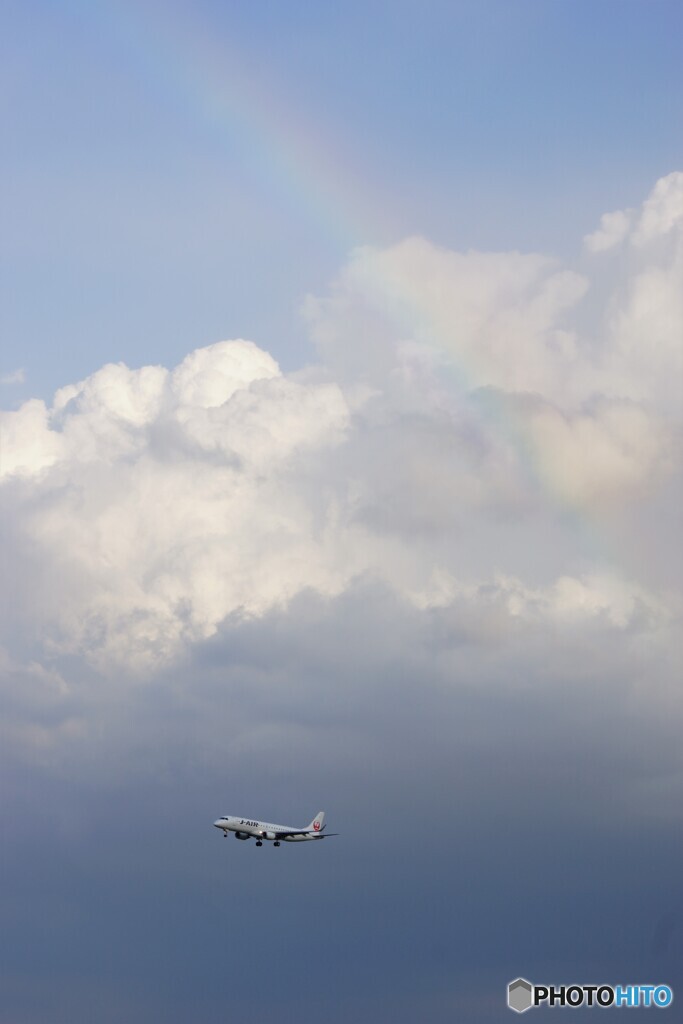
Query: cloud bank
[455, 413]
[439, 568]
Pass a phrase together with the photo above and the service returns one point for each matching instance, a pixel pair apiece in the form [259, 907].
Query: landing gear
[276, 843]
[259, 842]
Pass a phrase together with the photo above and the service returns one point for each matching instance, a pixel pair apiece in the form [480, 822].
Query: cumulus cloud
[662, 211]
[162, 498]
[613, 229]
[640, 353]
[604, 453]
[494, 318]
[660, 214]
[508, 321]
[437, 565]
[456, 415]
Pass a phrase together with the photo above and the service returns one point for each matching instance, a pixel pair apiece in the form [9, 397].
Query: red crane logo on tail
[316, 826]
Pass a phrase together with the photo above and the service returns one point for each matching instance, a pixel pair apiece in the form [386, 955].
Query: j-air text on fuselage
[249, 828]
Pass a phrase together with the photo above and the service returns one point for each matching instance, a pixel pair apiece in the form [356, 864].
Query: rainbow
[216, 85]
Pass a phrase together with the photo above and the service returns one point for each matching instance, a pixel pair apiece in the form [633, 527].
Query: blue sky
[340, 439]
[146, 208]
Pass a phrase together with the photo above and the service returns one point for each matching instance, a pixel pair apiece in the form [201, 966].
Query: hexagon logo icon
[520, 995]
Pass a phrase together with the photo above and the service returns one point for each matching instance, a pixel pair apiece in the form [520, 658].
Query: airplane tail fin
[317, 823]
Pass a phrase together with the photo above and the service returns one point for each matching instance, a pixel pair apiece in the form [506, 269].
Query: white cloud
[458, 425]
[662, 210]
[614, 227]
[606, 454]
[639, 353]
[210, 376]
[167, 504]
[615, 603]
[495, 318]
[660, 214]
[27, 445]
[570, 600]
[644, 331]
[14, 377]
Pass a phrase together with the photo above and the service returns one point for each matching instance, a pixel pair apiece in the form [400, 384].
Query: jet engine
[241, 835]
[269, 835]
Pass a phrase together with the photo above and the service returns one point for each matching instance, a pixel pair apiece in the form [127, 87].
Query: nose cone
[219, 823]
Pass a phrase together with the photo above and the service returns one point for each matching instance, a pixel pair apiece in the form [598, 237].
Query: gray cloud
[428, 584]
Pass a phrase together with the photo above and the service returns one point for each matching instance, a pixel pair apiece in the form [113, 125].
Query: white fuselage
[248, 828]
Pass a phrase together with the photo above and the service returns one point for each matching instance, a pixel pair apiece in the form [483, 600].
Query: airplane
[248, 828]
